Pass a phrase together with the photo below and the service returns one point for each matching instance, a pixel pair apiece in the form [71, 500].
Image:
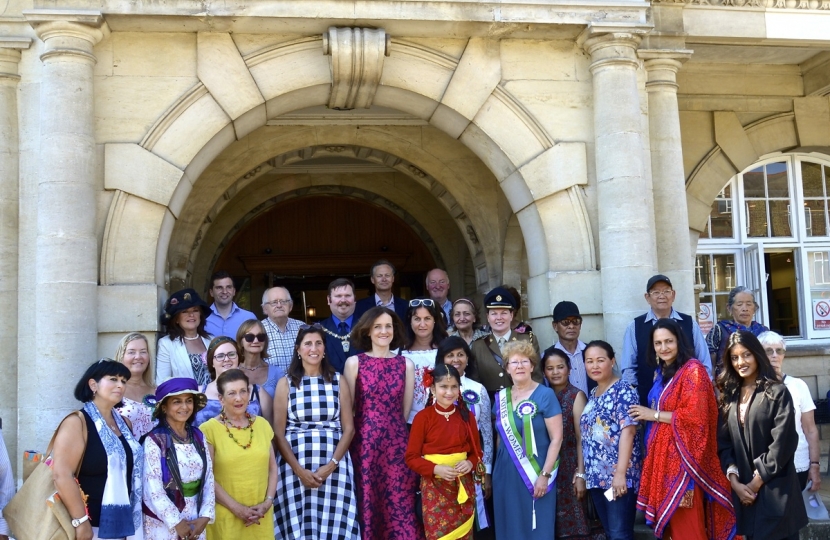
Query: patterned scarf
[120, 510]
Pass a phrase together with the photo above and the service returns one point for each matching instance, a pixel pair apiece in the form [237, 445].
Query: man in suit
[383, 277]
[338, 327]
[500, 306]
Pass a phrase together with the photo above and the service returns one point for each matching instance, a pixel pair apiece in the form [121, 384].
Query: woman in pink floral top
[139, 396]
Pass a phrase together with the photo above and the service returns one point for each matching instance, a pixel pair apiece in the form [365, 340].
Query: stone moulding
[356, 65]
[282, 49]
[172, 114]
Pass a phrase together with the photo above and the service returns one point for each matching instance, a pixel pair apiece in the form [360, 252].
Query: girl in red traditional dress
[683, 491]
[444, 449]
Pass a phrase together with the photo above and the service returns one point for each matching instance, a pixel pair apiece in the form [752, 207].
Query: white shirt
[423, 360]
[803, 402]
[578, 376]
[482, 413]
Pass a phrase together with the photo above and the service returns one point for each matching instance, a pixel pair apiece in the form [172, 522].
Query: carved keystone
[356, 65]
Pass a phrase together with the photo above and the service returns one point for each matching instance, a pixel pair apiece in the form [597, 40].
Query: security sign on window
[821, 314]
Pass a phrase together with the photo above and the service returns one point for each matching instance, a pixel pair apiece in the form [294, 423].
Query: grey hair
[265, 294]
[770, 338]
[735, 292]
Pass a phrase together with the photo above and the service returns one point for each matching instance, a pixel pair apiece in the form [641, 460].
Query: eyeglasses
[661, 294]
[515, 363]
[277, 303]
[427, 302]
[571, 322]
[222, 356]
[261, 337]
[775, 352]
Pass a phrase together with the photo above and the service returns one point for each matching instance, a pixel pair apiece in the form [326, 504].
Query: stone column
[626, 230]
[66, 274]
[671, 217]
[9, 201]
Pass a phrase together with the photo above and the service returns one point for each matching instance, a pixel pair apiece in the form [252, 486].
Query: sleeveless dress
[384, 485]
[571, 517]
[313, 430]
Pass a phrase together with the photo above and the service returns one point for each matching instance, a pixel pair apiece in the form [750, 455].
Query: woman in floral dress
[139, 396]
[382, 383]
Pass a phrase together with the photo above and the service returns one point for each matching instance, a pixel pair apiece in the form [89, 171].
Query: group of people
[401, 419]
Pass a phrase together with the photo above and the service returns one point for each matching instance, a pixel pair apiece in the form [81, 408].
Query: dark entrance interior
[303, 244]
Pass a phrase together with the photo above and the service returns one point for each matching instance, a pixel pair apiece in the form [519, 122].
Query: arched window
[769, 229]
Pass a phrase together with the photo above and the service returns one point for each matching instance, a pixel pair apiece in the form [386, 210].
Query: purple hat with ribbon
[176, 387]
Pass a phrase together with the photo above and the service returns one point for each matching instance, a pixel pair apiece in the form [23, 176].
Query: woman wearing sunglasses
[253, 342]
[222, 355]
[425, 329]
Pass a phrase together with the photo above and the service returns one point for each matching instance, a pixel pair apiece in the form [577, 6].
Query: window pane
[777, 184]
[754, 183]
[724, 269]
[721, 219]
[702, 272]
[756, 214]
[780, 217]
[818, 268]
[811, 179]
[815, 217]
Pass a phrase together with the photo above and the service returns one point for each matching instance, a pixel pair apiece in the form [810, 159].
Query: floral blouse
[423, 360]
[602, 422]
[140, 414]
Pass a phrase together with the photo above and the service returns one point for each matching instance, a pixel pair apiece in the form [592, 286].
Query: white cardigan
[172, 359]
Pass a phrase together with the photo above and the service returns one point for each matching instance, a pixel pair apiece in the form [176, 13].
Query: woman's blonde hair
[121, 350]
[520, 348]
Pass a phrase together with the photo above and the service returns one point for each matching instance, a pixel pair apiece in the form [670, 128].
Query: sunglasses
[315, 326]
[418, 302]
[259, 337]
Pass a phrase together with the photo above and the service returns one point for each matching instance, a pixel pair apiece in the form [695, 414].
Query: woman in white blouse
[425, 329]
[182, 352]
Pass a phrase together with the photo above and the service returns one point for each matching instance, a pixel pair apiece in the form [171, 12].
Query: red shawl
[686, 451]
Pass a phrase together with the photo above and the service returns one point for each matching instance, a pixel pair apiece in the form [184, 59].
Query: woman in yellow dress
[244, 466]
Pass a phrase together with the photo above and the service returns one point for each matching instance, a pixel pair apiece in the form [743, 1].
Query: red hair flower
[428, 379]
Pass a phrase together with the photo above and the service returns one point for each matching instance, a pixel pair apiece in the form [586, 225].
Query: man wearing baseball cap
[567, 323]
[500, 306]
[633, 364]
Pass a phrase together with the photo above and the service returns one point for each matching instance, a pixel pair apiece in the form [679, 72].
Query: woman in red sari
[444, 449]
[682, 487]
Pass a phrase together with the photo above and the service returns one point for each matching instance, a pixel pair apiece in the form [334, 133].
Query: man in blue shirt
[225, 316]
[633, 363]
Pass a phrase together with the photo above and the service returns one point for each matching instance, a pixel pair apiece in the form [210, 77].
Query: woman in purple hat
[181, 353]
[179, 496]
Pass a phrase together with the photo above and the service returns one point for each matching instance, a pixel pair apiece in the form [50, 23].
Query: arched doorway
[304, 242]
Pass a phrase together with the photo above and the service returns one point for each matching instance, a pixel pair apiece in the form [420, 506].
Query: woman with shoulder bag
[109, 459]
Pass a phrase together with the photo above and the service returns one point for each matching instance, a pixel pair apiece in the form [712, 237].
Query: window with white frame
[754, 237]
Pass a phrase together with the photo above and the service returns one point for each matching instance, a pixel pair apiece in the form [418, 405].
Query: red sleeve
[415, 447]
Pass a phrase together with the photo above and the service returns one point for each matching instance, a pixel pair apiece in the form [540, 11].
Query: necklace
[178, 439]
[224, 418]
[446, 415]
[191, 338]
[344, 340]
[243, 366]
[745, 399]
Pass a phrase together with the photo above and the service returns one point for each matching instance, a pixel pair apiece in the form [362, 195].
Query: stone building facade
[570, 148]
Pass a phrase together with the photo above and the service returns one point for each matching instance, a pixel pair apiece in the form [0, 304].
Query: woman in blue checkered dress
[314, 426]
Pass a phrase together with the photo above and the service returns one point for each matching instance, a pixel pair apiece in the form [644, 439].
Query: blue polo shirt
[217, 326]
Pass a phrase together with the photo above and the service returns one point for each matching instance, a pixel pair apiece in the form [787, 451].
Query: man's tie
[342, 329]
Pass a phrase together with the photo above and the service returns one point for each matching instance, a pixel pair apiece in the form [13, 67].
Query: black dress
[766, 442]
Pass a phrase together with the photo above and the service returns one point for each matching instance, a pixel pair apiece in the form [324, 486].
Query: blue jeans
[617, 516]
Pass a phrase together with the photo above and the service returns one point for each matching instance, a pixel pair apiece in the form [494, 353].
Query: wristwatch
[579, 475]
[657, 416]
[77, 522]
[546, 474]
[336, 463]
